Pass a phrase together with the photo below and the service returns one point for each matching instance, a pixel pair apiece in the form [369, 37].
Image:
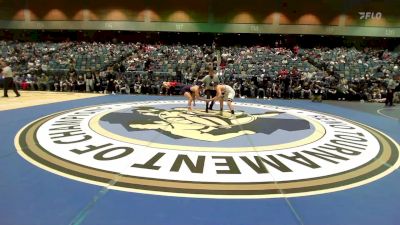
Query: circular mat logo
[158, 147]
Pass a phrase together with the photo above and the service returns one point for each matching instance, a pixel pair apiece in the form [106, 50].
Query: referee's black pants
[389, 97]
[210, 94]
[9, 82]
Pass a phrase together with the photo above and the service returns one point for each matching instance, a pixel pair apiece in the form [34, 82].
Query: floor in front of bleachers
[33, 98]
[33, 193]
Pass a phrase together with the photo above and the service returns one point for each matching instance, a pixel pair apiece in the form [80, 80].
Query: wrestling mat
[146, 160]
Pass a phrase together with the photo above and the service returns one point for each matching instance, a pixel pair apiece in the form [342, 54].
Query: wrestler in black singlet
[186, 88]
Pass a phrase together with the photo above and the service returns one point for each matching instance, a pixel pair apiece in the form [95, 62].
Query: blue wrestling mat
[117, 160]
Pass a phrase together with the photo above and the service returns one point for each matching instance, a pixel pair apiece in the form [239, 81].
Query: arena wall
[341, 17]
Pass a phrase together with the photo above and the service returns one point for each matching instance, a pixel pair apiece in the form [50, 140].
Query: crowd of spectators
[253, 71]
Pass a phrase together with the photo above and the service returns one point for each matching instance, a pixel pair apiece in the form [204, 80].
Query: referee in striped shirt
[8, 79]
